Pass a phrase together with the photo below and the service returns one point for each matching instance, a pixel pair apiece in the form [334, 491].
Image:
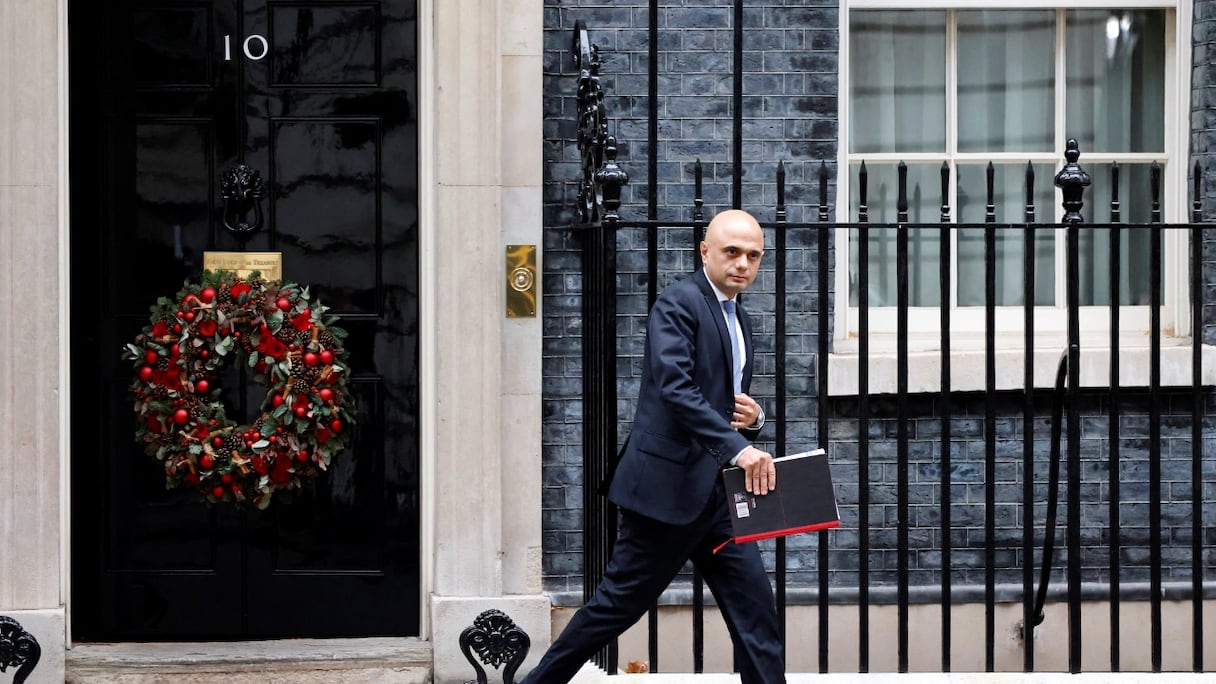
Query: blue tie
[732, 325]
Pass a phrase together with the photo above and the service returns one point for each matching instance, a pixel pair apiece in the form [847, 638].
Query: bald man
[694, 418]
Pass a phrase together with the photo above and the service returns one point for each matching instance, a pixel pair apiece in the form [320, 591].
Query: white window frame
[967, 324]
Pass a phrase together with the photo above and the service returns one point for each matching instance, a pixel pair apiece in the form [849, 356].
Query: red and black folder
[803, 501]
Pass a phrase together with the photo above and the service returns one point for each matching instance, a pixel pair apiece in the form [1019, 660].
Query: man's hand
[747, 412]
[761, 474]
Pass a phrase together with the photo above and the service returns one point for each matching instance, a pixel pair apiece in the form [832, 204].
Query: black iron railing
[598, 202]
[671, 248]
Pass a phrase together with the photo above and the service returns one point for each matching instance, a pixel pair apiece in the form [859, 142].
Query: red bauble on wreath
[291, 347]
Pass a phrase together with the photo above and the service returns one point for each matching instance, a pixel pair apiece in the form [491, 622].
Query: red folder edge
[778, 533]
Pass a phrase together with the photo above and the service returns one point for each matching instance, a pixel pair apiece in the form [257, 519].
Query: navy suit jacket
[681, 436]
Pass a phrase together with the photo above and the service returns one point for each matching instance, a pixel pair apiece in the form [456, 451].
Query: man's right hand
[760, 473]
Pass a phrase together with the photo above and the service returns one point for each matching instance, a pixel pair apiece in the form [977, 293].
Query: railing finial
[823, 191]
[1196, 197]
[945, 175]
[698, 200]
[780, 215]
[1072, 180]
[610, 179]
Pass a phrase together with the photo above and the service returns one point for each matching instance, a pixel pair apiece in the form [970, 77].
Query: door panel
[316, 44]
[320, 99]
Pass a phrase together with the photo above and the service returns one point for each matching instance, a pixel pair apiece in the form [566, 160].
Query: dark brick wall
[968, 489]
[789, 114]
[1203, 136]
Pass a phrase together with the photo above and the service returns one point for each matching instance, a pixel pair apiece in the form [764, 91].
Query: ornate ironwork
[609, 179]
[593, 139]
[497, 641]
[241, 190]
[18, 648]
[1072, 180]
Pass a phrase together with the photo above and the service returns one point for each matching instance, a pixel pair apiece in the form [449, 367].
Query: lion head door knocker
[241, 189]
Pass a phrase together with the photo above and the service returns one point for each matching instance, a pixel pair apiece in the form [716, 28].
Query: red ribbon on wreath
[292, 347]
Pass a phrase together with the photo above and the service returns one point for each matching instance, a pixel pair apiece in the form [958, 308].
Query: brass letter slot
[521, 281]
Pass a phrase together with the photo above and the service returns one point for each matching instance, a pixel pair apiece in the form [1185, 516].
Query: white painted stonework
[485, 193]
[480, 189]
[967, 365]
[33, 328]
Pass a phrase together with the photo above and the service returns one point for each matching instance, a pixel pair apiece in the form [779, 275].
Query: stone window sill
[967, 363]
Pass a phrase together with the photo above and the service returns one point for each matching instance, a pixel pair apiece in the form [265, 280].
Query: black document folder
[802, 502]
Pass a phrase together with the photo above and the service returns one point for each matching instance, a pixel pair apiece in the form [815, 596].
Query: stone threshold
[366, 661]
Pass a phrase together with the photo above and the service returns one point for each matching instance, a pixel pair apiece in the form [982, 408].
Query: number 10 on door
[251, 43]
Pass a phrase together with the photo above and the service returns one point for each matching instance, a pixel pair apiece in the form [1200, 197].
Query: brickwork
[1203, 135]
[789, 113]
[968, 489]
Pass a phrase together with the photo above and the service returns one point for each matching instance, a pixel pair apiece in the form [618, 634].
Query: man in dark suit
[694, 418]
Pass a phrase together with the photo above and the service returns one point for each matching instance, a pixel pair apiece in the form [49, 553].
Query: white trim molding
[968, 365]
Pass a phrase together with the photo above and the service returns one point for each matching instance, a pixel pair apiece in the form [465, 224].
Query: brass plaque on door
[521, 281]
[244, 263]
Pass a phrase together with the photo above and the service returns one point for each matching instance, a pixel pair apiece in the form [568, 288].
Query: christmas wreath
[291, 347]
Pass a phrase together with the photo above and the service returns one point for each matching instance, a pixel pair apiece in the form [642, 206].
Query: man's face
[731, 251]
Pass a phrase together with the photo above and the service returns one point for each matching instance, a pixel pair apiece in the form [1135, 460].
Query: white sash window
[1010, 83]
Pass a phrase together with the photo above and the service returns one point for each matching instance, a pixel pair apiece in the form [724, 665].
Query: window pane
[924, 255]
[897, 81]
[1009, 184]
[1135, 204]
[1009, 277]
[1116, 80]
[1009, 198]
[1005, 80]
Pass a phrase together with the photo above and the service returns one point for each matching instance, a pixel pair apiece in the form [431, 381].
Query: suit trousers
[646, 557]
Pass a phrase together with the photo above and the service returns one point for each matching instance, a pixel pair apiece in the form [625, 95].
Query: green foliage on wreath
[289, 344]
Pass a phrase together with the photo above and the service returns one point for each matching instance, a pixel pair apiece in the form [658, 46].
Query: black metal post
[989, 422]
[824, 333]
[946, 438]
[736, 139]
[863, 433]
[779, 352]
[1116, 276]
[599, 209]
[1028, 418]
[901, 421]
[1154, 420]
[990, 430]
[1197, 302]
[1072, 181]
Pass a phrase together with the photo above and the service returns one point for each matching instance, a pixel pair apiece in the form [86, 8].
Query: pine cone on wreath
[171, 385]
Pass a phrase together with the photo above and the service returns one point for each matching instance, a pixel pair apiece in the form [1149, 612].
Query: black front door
[320, 97]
